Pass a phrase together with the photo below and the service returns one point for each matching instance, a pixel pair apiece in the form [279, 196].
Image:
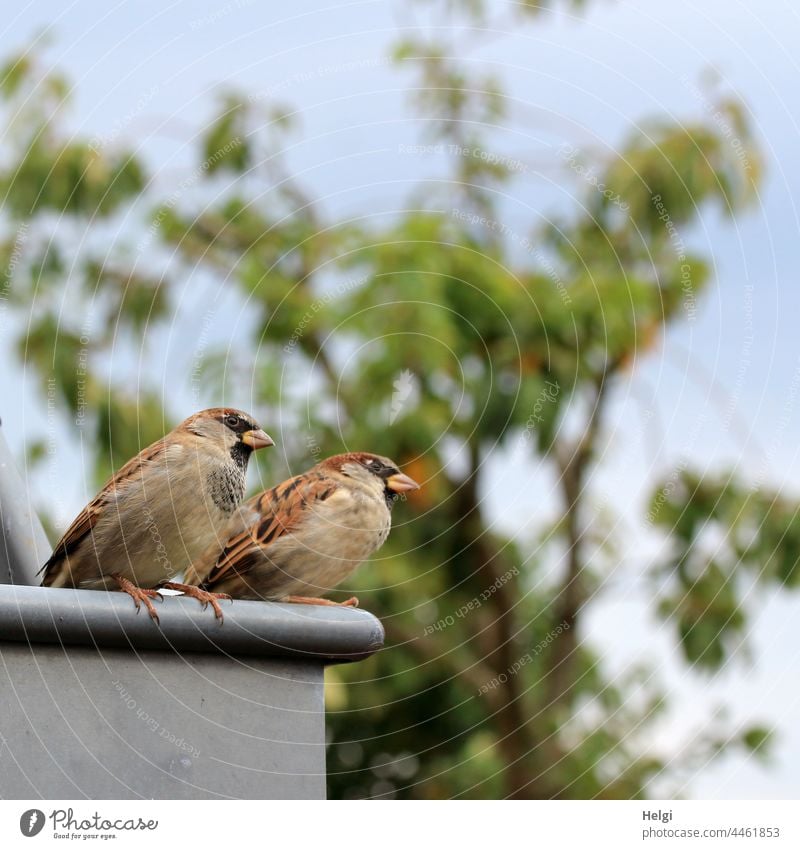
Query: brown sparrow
[300, 539]
[160, 510]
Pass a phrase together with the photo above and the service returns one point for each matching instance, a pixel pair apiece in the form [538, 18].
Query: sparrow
[297, 541]
[160, 510]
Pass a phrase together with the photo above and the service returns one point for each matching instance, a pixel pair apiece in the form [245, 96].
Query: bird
[300, 539]
[163, 508]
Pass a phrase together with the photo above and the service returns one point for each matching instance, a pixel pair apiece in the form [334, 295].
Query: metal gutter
[110, 620]
[23, 544]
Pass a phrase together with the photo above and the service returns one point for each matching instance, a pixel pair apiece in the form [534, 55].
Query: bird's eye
[374, 464]
[231, 421]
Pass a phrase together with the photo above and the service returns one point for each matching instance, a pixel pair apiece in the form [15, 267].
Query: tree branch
[573, 464]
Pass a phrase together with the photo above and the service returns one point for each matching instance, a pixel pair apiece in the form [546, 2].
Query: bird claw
[203, 596]
[321, 602]
[139, 595]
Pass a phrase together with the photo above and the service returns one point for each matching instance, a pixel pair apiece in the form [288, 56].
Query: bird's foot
[140, 596]
[323, 602]
[205, 598]
[350, 602]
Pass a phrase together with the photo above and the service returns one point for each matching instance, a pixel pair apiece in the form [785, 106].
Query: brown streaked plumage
[160, 510]
[302, 538]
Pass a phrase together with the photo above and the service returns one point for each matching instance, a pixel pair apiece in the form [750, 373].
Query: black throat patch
[240, 454]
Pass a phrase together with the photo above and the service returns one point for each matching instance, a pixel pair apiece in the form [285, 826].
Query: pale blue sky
[146, 71]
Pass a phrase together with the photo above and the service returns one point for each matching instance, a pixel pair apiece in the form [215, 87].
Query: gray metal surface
[111, 724]
[23, 544]
[254, 628]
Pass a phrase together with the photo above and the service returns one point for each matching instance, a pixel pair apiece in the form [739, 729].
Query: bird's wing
[93, 511]
[276, 512]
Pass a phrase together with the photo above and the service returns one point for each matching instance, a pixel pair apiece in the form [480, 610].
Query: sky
[723, 387]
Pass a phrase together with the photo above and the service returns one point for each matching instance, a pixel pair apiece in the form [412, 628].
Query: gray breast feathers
[225, 486]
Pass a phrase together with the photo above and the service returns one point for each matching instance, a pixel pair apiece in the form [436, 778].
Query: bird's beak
[401, 483]
[257, 439]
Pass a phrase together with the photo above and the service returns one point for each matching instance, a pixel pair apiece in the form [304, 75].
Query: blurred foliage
[436, 338]
[56, 191]
[724, 537]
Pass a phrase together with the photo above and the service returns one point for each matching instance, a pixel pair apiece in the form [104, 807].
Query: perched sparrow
[303, 537]
[160, 510]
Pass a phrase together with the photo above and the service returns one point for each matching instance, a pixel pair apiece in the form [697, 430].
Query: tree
[438, 338]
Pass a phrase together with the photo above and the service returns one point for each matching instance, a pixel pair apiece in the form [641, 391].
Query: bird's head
[373, 471]
[236, 432]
